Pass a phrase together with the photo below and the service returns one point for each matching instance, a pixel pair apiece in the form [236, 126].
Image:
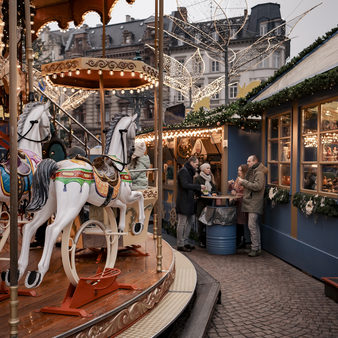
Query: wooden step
[331, 287]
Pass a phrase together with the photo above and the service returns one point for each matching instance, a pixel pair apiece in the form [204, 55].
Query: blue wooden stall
[301, 140]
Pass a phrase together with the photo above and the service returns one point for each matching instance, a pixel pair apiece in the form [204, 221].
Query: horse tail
[41, 181]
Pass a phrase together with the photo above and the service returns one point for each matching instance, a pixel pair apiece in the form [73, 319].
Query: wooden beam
[294, 162]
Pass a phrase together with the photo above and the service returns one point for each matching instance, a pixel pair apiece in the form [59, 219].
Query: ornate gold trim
[132, 313]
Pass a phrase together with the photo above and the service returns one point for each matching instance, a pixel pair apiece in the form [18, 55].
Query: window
[276, 59]
[319, 148]
[279, 150]
[264, 63]
[263, 28]
[215, 66]
[180, 40]
[233, 91]
[215, 96]
[180, 97]
[233, 33]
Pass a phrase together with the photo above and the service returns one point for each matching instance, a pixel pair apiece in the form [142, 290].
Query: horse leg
[29, 230]
[123, 208]
[130, 196]
[66, 212]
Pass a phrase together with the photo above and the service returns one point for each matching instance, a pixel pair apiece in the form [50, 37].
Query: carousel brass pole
[29, 51]
[13, 319]
[102, 107]
[160, 130]
[155, 118]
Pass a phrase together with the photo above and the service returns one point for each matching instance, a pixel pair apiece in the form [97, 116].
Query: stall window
[319, 156]
[279, 150]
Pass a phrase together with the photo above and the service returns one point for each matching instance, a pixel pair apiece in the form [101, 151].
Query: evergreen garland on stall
[315, 204]
[277, 195]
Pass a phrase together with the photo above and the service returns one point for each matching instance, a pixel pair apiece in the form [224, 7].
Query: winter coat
[185, 203]
[203, 202]
[242, 217]
[139, 178]
[254, 186]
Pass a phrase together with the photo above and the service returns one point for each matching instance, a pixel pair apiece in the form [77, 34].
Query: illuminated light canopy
[117, 73]
[171, 134]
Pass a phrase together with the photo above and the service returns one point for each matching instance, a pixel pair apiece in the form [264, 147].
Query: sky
[315, 24]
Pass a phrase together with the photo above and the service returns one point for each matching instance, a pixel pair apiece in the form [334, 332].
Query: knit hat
[204, 166]
[140, 148]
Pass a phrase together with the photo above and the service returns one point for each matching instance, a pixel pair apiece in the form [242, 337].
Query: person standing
[237, 189]
[204, 178]
[253, 195]
[140, 162]
[185, 202]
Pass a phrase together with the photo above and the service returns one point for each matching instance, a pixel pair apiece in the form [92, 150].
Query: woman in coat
[204, 178]
[139, 161]
[237, 189]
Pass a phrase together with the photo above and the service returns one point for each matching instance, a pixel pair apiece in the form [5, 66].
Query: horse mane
[23, 117]
[115, 120]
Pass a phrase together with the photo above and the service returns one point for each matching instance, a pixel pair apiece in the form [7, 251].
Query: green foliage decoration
[315, 204]
[277, 195]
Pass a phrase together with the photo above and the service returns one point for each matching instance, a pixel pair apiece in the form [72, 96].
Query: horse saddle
[23, 169]
[104, 168]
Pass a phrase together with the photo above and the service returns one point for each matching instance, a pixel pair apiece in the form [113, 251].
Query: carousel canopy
[65, 11]
[85, 72]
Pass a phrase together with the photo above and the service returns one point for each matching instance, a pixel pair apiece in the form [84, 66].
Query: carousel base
[159, 298]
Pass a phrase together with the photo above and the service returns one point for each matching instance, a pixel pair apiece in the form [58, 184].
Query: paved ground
[266, 297]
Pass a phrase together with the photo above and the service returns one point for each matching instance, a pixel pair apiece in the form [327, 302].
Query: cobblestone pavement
[266, 297]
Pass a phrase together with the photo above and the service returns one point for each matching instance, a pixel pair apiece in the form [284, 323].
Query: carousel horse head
[120, 137]
[34, 127]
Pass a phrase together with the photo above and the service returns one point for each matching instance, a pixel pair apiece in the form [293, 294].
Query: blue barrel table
[220, 229]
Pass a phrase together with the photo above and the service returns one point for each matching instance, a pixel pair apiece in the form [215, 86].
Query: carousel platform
[149, 309]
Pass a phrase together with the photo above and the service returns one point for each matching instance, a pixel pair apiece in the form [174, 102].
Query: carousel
[110, 277]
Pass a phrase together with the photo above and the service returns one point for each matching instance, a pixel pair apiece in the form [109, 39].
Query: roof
[319, 60]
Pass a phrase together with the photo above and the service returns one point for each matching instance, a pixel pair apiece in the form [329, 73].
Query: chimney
[182, 13]
[128, 18]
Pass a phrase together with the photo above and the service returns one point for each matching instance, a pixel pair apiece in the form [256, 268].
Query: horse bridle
[122, 131]
[28, 139]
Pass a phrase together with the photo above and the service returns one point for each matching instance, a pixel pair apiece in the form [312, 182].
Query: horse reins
[28, 139]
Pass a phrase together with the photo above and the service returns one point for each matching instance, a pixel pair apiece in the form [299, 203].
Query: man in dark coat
[185, 202]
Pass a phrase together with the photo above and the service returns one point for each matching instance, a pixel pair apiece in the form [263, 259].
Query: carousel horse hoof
[33, 279]
[6, 277]
[137, 228]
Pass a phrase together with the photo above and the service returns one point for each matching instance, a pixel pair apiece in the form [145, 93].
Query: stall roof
[318, 61]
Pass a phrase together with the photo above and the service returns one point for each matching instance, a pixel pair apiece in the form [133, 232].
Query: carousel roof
[65, 11]
[85, 72]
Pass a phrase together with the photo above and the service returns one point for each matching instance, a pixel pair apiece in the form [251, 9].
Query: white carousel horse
[64, 187]
[33, 130]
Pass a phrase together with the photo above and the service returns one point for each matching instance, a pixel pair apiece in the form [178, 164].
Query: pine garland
[277, 195]
[315, 204]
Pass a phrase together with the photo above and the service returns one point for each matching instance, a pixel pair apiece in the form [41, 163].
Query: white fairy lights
[171, 134]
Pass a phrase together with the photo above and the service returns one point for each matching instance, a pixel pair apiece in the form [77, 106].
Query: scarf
[207, 179]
